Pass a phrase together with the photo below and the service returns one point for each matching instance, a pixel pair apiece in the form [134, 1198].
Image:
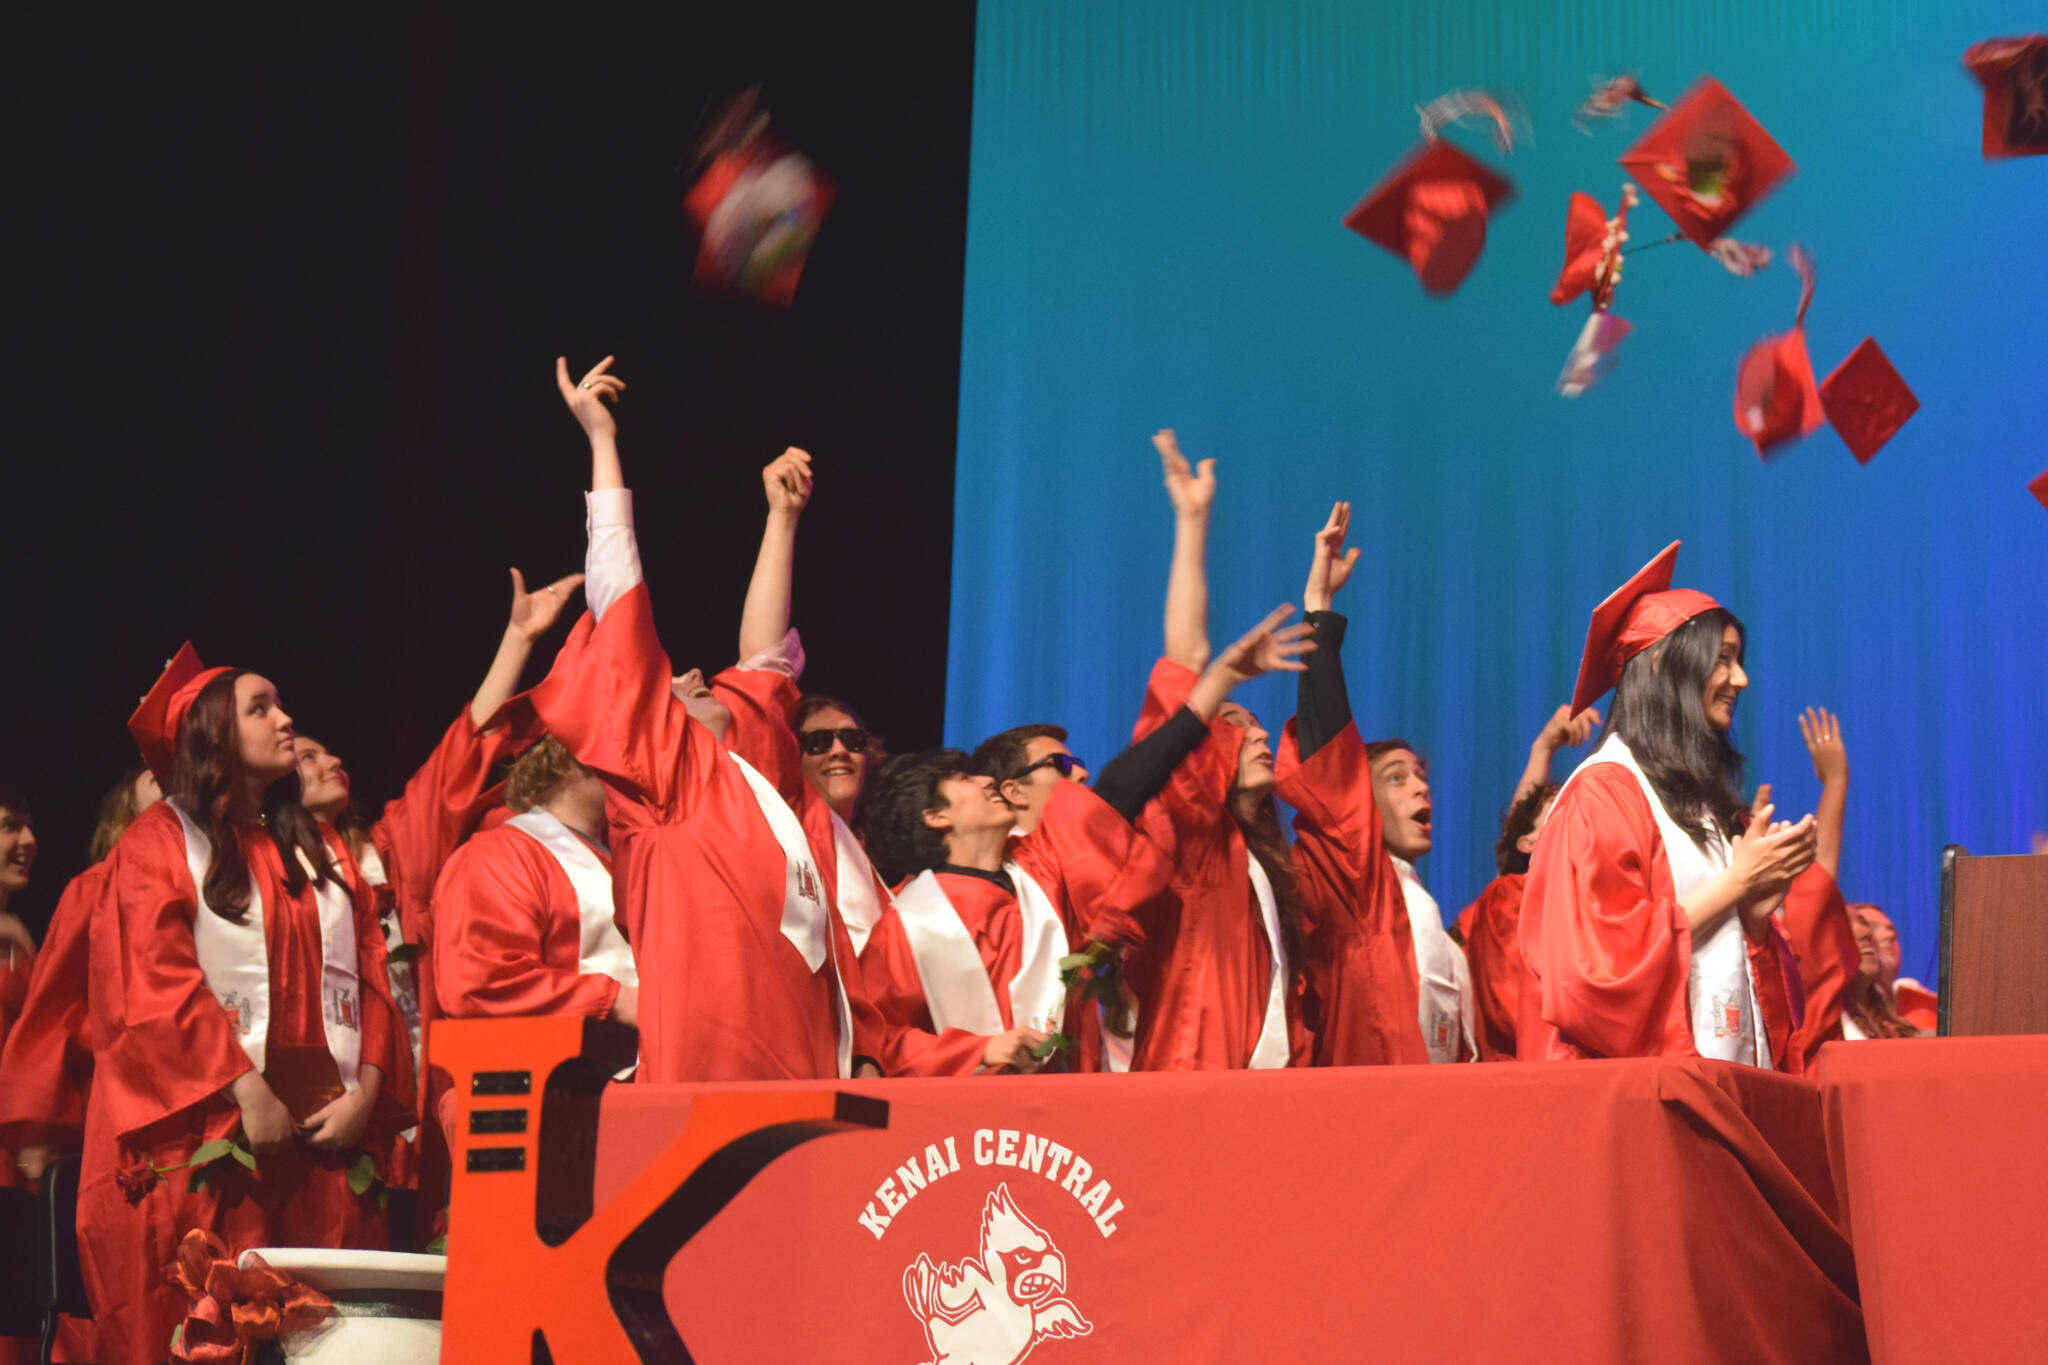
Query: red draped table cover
[1940, 1150]
[1666, 1211]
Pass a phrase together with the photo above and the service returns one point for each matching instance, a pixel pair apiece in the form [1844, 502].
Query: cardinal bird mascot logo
[992, 1311]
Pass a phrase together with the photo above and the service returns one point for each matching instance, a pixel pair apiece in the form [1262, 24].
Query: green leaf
[439, 1246]
[211, 1151]
[1057, 1042]
[363, 1174]
[177, 1337]
[1075, 961]
[383, 1195]
[243, 1155]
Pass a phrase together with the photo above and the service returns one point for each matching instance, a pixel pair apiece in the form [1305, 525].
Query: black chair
[59, 1280]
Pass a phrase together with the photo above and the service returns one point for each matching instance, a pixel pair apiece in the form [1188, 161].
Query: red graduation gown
[699, 876]
[1204, 972]
[1360, 1002]
[1605, 946]
[508, 933]
[168, 1053]
[439, 808]
[1815, 920]
[1493, 948]
[46, 1065]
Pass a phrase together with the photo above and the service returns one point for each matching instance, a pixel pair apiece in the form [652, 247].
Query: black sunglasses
[1066, 763]
[815, 742]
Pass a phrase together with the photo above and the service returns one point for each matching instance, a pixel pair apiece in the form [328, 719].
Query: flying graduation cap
[1707, 162]
[1866, 401]
[1431, 211]
[2014, 74]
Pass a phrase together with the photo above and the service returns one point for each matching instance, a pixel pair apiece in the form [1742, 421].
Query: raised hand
[587, 399]
[1822, 732]
[1192, 491]
[1014, 1050]
[1329, 568]
[1565, 731]
[1267, 648]
[534, 612]
[787, 479]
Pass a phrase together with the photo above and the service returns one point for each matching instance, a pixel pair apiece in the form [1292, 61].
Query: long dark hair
[1265, 841]
[1659, 713]
[207, 770]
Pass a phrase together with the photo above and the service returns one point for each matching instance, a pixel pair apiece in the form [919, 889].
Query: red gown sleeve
[1360, 1002]
[492, 925]
[1187, 820]
[1110, 877]
[47, 1062]
[1602, 933]
[608, 698]
[761, 701]
[890, 1020]
[1824, 946]
[165, 1043]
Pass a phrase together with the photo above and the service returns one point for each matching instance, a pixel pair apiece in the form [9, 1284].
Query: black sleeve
[1139, 773]
[1322, 707]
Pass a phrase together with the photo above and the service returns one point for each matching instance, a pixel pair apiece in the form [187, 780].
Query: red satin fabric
[1360, 1001]
[46, 1064]
[1585, 234]
[1446, 224]
[698, 874]
[1605, 945]
[1493, 950]
[1203, 973]
[167, 1055]
[1816, 922]
[508, 933]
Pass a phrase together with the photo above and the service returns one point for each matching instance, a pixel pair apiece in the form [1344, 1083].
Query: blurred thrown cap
[1431, 210]
[1866, 401]
[1707, 162]
[2014, 74]
[1635, 616]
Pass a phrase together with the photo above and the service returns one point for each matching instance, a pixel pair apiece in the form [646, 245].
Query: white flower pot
[387, 1305]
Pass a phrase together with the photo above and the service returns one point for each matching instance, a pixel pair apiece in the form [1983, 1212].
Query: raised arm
[533, 613]
[612, 562]
[765, 619]
[1561, 731]
[1192, 491]
[1322, 705]
[1823, 735]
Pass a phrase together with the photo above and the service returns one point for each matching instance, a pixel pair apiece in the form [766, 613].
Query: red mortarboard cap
[2039, 488]
[1866, 401]
[1635, 616]
[2014, 74]
[1585, 246]
[155, 723]
[758, 208]
[1707, 162]
[1775, 397]
[1431, 210]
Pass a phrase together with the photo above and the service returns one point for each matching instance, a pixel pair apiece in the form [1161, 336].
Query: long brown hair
[1264, 840]
[207, 770]
[117, 812]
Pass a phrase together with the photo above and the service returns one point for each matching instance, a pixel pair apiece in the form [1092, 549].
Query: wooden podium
[1994, 943]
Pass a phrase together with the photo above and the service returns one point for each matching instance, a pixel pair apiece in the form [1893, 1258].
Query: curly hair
[1519, 820]
[900, 843]
[538, 773]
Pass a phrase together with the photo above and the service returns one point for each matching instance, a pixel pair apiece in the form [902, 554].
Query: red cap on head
[1866, 401]
[2014, 74]
[1431, 210]
[1707, 162]
[1635, 616]
[155, 723]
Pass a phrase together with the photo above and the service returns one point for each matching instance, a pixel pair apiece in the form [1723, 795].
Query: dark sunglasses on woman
[815, 742]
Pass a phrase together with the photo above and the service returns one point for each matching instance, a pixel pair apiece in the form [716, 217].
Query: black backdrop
[285, 326]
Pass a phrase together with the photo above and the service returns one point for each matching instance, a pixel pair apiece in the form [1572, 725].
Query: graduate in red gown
[987, 913]
[1890, 1006]
[17, 945]
[1490, 927]
[718, 891]
[1647, 919]
[237, 991]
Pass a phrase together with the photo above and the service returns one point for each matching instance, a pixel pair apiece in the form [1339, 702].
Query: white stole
[235, 959]
[601, 949]
[806, 920]
[956, 985]
[1273, 1047]
[860, 899]
[1721, 997]
[1442, 976]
